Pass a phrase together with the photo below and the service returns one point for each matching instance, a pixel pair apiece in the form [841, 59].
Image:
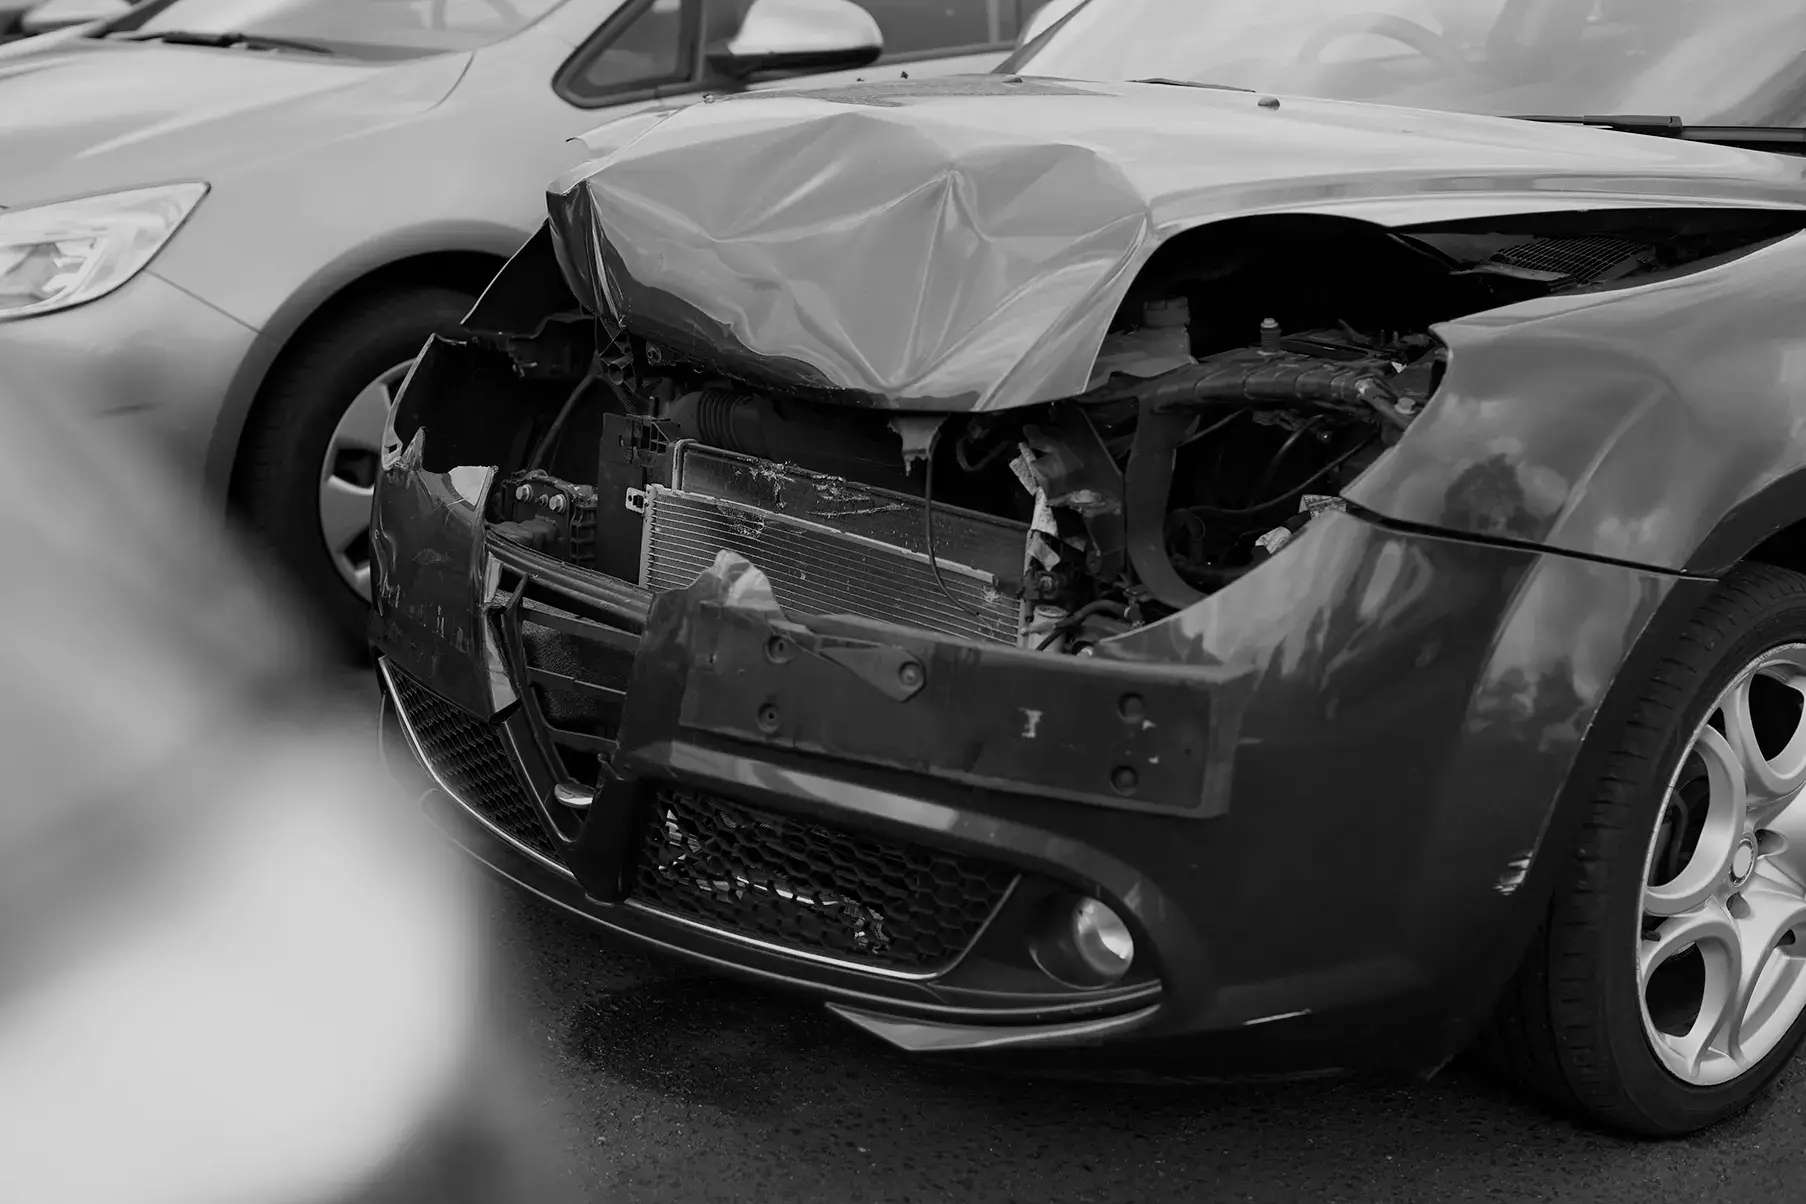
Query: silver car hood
[79, 115]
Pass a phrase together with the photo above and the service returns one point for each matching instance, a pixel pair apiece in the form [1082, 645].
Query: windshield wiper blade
[226, 41]
[1749, 137]
[1189, 83]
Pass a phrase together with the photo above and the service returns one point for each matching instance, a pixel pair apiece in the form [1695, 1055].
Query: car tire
[282, 480]
[1595, 1021]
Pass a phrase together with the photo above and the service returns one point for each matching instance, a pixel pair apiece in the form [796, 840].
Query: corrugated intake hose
[1247, 379]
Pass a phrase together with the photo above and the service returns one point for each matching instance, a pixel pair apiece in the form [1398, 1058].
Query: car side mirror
[799, 36]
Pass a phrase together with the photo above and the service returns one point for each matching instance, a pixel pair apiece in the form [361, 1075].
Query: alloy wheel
[348, 478]
[1721, 948]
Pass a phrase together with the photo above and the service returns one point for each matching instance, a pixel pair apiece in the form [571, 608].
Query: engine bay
[1255, 369]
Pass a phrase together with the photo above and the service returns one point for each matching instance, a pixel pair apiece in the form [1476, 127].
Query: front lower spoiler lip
[925, 1036]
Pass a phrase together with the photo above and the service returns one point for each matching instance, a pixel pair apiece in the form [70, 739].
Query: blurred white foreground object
[234, 965]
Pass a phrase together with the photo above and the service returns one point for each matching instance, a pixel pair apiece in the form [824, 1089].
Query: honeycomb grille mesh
[815, 571]
[469, 757]
[801, 885]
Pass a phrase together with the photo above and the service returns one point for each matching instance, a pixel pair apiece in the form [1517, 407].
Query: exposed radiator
[833, 547]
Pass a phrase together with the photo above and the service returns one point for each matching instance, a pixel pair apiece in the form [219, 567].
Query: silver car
[233, 223]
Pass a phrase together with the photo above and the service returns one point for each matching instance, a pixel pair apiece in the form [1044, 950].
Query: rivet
[768, 717]
[1131, 708]
[1268, 102]
[777, 650]
[1124, 780]
[910, 674]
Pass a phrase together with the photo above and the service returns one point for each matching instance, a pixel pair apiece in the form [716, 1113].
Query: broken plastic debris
[1316, 503]
[1022, 466]
[1044, 532]
[1274, 540]
[735, 581]
[917, 432]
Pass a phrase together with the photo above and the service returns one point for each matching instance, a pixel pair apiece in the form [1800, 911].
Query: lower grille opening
[804, 886]
[468, 756]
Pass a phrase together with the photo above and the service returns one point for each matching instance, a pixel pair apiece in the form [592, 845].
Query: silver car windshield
[1739, 62]
[391, 26]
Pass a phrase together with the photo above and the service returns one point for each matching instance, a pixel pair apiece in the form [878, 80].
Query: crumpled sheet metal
[963, 244]
[925, 265]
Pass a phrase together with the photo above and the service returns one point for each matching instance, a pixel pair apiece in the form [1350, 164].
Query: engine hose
[546, 442]
[1280, 499]
[1285, 449]
[1148, 487]
[1279, 381]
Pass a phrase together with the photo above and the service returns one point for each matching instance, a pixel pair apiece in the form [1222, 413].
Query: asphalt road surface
[662, 1084]
[669, 1085]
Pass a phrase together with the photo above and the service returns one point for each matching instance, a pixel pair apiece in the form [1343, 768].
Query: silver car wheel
[348, 478]
[1721, 951]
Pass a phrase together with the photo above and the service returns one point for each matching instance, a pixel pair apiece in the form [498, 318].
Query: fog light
[1102, 938]
[1083, 943]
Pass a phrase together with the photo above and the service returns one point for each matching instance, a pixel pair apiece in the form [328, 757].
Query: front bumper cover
[1347, 771]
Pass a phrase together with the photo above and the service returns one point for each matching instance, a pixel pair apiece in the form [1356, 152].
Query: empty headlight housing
[65, 254]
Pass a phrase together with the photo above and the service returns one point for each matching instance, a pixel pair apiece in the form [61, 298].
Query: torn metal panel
[431, 575]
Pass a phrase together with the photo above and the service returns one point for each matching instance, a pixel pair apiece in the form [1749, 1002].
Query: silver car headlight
[56, 256]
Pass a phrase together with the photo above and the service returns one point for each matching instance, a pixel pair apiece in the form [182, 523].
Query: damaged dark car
[1256, 540]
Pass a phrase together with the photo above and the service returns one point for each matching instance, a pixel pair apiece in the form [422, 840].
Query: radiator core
[831, 546]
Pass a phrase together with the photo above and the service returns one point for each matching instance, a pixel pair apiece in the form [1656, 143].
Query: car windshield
[383, 28]
[1739, 62]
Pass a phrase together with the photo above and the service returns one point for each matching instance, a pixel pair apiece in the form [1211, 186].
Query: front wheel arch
[464, 271]
[1531, 884]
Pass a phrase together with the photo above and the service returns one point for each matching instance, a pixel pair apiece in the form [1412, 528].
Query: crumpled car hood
[81, 115]
[963, 244]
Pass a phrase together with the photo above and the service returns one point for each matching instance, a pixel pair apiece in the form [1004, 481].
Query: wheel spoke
[1710, 863]
[1767, 781]
[1783, 844]
[1711, 929]
[1768, 909]
[344, 512]
[361, 429]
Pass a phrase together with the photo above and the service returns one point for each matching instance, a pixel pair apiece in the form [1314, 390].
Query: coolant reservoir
[1161, 343]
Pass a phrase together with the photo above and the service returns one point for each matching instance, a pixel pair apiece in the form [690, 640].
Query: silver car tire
[307, 464]
[1664, 992]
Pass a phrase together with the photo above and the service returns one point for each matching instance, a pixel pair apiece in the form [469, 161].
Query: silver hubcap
[348, 478]
[1721, 955]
